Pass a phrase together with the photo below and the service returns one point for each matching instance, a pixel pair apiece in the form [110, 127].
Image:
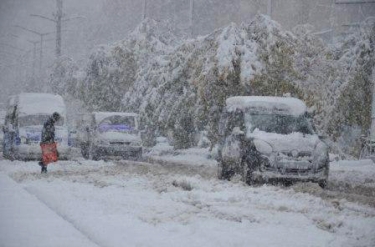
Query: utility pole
[191, 18]
[7, 53]
[41, 35]
[59, 15]
[144, 10]
[34, 55]
[58, 19]
[269, 8]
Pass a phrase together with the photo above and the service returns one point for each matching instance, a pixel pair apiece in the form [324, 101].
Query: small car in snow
[24, 119]
[110, 134]
[270, 139]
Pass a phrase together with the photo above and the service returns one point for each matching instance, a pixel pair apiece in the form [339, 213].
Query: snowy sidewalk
[26, 221]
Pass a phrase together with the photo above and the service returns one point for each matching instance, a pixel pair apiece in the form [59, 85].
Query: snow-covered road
[144, 204]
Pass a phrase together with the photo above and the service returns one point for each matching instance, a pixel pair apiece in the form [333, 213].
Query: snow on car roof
[99, 116]
[281, 105]
[40, 103]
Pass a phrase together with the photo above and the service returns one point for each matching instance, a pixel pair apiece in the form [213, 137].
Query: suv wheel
[94, 153]
[245, 173]
[138, 156]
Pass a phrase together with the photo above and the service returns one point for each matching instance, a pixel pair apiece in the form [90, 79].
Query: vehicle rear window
[117, 123]
[34, 120]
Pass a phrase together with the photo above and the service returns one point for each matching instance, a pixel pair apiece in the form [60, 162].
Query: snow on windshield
[280, 124]
[35, 120]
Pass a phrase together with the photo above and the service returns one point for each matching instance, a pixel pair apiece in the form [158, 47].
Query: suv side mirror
[322, 137]
[237, 131]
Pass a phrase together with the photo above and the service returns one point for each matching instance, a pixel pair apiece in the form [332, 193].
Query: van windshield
[35, 120]
[117, 124]
[280, 124]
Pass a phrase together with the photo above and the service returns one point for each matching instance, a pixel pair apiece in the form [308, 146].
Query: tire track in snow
[67, 219]
[333, 193]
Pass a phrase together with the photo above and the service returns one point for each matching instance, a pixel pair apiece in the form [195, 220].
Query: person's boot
[44, 169]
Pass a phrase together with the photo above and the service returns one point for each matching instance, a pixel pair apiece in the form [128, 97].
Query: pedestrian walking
[48, 144]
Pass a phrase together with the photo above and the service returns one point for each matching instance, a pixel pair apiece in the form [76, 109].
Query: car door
[232, 146]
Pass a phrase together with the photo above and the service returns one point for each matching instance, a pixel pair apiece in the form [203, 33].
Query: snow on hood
[293, 141]
[119, 137]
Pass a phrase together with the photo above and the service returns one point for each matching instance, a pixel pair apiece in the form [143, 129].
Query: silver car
[111, 134]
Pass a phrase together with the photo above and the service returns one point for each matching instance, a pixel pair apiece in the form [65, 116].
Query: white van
[25, 116]
[110, 134]
[266, 139]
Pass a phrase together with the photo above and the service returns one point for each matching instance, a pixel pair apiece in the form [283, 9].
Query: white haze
[104, 21]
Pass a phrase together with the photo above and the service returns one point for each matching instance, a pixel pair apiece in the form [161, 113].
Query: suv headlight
[263, 147]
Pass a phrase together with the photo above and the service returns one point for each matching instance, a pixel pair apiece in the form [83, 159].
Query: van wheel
[10, 156]
[95, 153]
[323, 183]
[85, 151]
[247, 175]
[94, 156]
[226, 171]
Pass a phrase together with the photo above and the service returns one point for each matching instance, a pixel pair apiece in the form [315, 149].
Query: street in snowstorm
[132, 203]
[187, 123]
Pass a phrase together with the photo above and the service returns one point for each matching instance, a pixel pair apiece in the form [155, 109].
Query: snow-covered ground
[176, 200]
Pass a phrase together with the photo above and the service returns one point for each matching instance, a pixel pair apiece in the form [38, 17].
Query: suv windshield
[280, 124]
[117, 123]
[34, 120]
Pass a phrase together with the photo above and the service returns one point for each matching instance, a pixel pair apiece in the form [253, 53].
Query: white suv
[267, 139]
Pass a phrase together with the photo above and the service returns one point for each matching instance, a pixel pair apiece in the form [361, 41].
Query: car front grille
[295, 171]
[300, 156]
[119, 143]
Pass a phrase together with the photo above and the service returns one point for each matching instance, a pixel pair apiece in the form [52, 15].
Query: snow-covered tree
[63, 77]
[179, 86]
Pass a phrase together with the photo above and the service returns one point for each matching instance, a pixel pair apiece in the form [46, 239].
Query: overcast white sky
[107, 21]
[16, 50]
